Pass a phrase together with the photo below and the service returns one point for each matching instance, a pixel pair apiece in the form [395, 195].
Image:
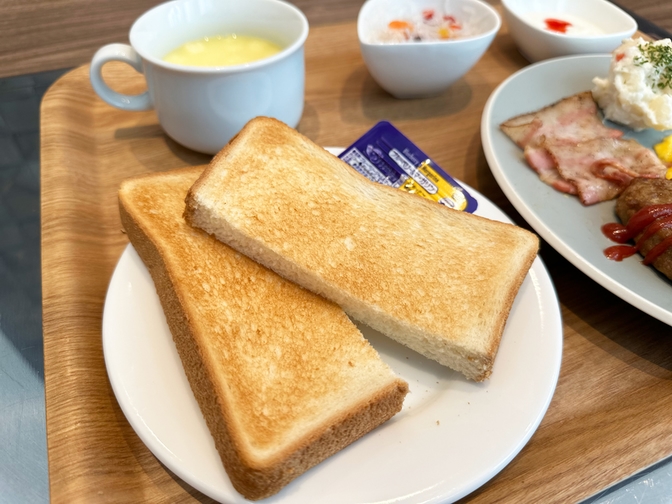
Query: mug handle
[126, 54]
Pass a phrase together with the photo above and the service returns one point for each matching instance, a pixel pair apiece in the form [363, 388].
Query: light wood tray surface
[611, 412]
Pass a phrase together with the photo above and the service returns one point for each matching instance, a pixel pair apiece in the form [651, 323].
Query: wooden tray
[610, 414]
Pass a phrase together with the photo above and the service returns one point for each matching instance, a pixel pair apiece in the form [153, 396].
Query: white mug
[204, 107]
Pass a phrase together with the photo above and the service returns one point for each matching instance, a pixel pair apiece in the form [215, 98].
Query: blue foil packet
[385, 155]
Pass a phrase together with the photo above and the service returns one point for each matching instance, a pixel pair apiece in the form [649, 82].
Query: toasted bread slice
[440, 281]
[283, 378]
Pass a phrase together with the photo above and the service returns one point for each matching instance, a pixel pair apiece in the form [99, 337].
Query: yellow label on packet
[445, 192]
[222, 50]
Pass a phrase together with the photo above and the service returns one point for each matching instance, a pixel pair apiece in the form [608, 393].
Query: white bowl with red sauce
[419, 48]
[544, 29]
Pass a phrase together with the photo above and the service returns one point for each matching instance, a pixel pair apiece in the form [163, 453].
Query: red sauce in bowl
[557, 25]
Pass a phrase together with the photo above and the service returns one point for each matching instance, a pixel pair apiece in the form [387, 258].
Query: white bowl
[604, 27]
[419, 69]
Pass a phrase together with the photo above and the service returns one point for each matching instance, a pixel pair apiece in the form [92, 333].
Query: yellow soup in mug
[222, 50]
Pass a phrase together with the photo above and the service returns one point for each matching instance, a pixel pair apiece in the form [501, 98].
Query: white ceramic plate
[571, 228]
[451, 437]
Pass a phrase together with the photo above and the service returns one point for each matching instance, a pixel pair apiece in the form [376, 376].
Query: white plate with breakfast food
[451, 436]
[574, 229]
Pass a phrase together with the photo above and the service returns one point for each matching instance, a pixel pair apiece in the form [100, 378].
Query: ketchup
[646, 216]
[616, 232]
[619, 252]
[647, 221]
[657, 250]
[655, 226]
[557, 25]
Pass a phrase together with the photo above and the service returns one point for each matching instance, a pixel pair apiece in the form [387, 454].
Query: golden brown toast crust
[437, 280]
[246, 424]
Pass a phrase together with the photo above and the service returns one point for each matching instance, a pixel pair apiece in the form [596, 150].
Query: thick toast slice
[440, 281]
[283, 378]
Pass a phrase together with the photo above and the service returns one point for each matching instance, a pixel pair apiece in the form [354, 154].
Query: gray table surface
[24, 474]
[23, 452]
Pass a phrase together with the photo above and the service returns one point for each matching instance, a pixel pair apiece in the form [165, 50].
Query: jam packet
[385, 155]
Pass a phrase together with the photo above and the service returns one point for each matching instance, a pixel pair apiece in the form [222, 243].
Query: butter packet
[385, 155]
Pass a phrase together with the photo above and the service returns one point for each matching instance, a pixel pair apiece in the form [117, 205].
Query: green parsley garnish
[660, 57]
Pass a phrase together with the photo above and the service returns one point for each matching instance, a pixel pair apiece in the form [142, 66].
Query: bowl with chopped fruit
[553, 28]
[419, 48]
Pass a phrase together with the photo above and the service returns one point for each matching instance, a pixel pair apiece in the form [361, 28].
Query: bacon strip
[572, 119]
[572, 151]
[601, 168]
[541, 161]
